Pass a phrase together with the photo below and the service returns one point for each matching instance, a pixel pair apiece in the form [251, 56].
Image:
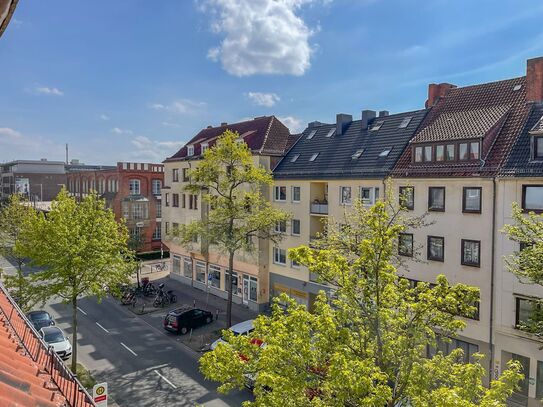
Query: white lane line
[166, 380]
[83, 312]
[129, 350]
[102, 327]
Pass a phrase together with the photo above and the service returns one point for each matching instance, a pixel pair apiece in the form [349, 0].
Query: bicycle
[161, 266]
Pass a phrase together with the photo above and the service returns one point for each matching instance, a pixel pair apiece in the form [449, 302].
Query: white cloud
[9, 134]
[152, 150]
[294, 124]
[181, 106]
[263, 99]
[260, 36]
[15, 145]
[45, 90]
[118, 130]
[104, 117]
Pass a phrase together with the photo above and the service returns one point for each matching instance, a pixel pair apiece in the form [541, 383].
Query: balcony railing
[319, 208]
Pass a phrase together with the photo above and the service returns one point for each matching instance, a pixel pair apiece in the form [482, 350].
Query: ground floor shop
[303, 292]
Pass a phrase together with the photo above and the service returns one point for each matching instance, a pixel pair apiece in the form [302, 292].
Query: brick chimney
[367, 115]
[436, 91]
[342, 120]
[534, 80]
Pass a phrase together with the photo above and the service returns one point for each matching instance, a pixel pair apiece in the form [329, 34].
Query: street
[143, 365]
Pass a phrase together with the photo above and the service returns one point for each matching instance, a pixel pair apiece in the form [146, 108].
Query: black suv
[181, 320]
[40, 319]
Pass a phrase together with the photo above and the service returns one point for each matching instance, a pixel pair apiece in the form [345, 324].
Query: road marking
[166, 380]
[83, 312]
[102, 327]
[129, 350]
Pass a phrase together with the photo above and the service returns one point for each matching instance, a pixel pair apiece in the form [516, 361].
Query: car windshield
[54, 337]
[39, 317]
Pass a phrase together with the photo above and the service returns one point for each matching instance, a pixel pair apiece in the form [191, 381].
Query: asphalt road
[142, 364]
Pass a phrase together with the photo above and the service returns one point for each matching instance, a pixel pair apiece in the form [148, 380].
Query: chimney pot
[436, 91]
[342, 120]
[209, 127]
[313, 125]
[223, 124]
[367, 115]
[534, 80]
[383, 113]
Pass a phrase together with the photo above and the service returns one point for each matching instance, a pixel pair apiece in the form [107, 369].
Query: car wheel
[183, 330]
[208, 320]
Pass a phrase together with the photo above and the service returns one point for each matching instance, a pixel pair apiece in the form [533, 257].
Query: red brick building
[132, 190]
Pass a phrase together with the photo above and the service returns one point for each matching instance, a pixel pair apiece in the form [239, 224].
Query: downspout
[492, 278]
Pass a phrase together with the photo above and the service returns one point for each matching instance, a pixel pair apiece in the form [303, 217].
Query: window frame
[175, 174]
[428, 255]
[292, 231]
[462, 259]
[131, 190]
[524, 188]
[175, 200]
[184, 174]
[156, 182]
[277, 256]
[405, 254]
[535, 156]
[343, 201]
[430, 209]
[293, 188]
[464, 200]
[190, 150]
[276, 195]
[401, 193]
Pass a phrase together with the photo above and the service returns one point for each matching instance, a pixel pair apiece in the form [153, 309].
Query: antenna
[67, 162]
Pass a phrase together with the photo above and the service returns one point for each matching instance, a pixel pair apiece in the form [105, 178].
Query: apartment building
[329, 167]
[132, 191]
[205, 267]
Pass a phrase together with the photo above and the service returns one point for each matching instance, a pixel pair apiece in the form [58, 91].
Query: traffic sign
[99, 394]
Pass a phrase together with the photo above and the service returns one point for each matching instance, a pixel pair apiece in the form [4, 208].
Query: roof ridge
[484, 84]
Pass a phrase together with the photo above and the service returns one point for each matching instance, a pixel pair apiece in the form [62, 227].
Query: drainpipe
[492, 278]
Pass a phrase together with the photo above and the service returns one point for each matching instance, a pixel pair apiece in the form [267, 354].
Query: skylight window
[313, 157]
[385, 152]
[377, 125]
[331, 133]
[357, 154]
[405, 122]
[294, 158]
[311, 135]
[517, 87]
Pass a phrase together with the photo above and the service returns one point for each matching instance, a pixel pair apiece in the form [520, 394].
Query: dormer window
[313, 157]
[311, 135]
[190, 150]
[405, 122]
[205, 146]
[294, 158]
[330, 132]
[377, 125]
[467, 151]
[357, 154]
[385, 152]
[538, 148]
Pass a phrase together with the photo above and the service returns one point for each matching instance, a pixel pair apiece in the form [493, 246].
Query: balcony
[318, 208]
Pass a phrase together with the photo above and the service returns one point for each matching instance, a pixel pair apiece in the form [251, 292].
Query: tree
[365, 343]
[14, 217]
[527, 262]
[82, 250]
[238, 213]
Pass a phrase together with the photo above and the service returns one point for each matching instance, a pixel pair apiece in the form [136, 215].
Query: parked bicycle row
[147, 289]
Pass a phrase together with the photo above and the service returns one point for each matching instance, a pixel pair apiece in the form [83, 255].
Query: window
[201, 272]
[281, 227]
[294, 264]
[296, 227]
[280, 193]
[253, 288]
[405, 244]
[520, 396]
[157, 233]
[167, 199]
[474, 150]
[205, 146]
[385, 152]
[294, 158]
[311, 135]
[440, 153]
[377, 125]
[234, 281]
[357, 154]
[313, 157]
[215, 275]
[175, 175]
[345, 195]
[369, 196]
[436, 199]
[463, 151]
[450, 344]
[539, 383]
[186, 177]
[525, 308]
[187, 267]
[295, 194]
[158, 207]
[166, 227]
[436, 246]
[157, 186]
[175, 226]
[538, 149]
[126, 209]
[139, 210]
[418, 154]
[176, 265]
[134, 187]
[427, 153]
[279, 256]
[405, 122]
[449, 152]
[330, 132]
[532, 198]
[407, 197]
[190, 150]
[175, 202]
[471, 251]
[183, 201]
[193, 201]
[471, 200]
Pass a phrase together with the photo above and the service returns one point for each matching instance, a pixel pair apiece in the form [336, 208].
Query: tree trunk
[74, 335]
[229, 304]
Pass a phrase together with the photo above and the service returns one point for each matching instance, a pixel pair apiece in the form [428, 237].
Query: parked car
[54, 337]
[40, 319]
[243, 328]
[182, 319]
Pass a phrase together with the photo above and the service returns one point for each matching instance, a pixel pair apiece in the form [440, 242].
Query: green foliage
[365, 344]
[82, 251]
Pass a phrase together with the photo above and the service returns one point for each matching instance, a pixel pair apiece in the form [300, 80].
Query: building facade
[205, 267]
[132, 191]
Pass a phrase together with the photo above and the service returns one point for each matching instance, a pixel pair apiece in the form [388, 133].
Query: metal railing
[45, 356]
[319, 208]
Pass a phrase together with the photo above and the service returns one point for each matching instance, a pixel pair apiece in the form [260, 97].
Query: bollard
[217, 315]
[194, 304]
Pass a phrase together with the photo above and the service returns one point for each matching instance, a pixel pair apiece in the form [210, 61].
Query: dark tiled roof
[264, 135]
[335, 159]
[519, 162]
[494, 111]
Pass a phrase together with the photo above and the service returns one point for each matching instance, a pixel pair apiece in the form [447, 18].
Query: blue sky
[133, 79]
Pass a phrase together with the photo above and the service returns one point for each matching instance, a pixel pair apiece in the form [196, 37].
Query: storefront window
[176, 265]
[215, 273]
[234, 282]
[201, 271]
[253, 288]
[187, 267]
